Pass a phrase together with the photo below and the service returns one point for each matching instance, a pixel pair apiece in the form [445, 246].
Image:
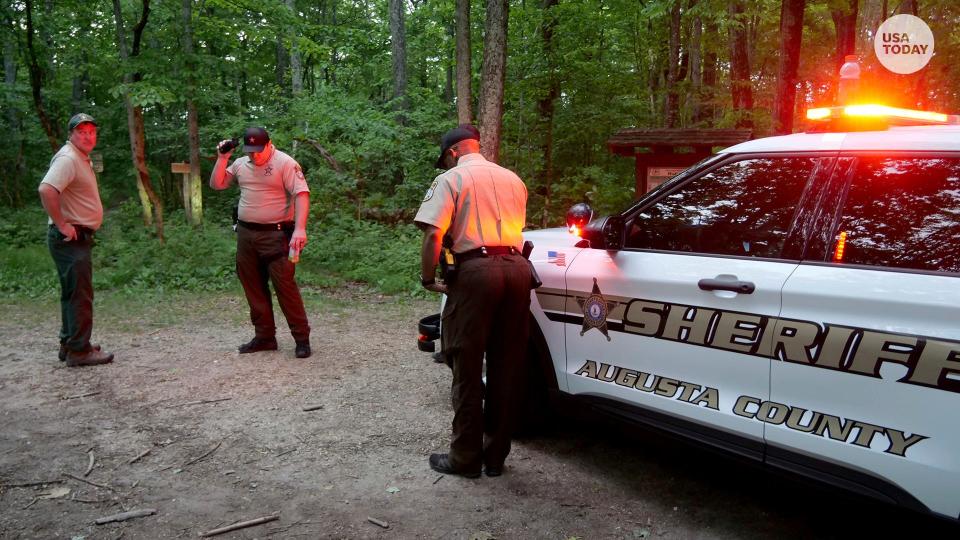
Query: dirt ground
[229, 441]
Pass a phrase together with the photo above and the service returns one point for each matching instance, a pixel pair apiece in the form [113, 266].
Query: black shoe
[259, 344]
[303, 349]
[441, 464]
[89, 358]
[62, 355]
[494, 471]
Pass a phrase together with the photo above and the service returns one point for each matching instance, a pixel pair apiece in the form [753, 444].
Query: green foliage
[128, 259]
[387, 257]
[607, 63]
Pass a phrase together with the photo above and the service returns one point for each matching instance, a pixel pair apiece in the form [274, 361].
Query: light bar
[879, 112]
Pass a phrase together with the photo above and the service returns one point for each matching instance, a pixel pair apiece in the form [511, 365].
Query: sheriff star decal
[595, 310]
[268, 171]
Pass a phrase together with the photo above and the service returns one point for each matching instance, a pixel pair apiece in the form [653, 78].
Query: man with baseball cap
[482, 207]
[70, 196]
[274, 204]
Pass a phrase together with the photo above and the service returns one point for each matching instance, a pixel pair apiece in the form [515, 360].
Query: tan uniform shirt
[267, 191]
[479, 203]
[71, 173]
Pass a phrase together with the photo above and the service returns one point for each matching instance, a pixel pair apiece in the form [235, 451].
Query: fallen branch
[90, 463]
[85, 481]
[378, 522]
[312, 408]
[32, 484]
[33, 502]
[88, 394]
[212, 450]
[332, 161]
[439, 478]
[201, 402]
[241, 525]
[140, 455]
[123, 516]
[294, 449]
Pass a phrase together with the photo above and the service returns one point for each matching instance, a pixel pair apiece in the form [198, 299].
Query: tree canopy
[321, 76]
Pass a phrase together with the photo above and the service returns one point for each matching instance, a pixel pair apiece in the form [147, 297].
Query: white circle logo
[903, 44]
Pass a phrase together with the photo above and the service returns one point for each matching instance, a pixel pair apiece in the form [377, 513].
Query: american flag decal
[558, 258]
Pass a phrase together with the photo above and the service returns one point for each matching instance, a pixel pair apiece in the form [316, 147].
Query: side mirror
[603, 233]
[578, 216]
[613, 233]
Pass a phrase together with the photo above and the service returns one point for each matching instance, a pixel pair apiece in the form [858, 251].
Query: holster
[448, 262]
[535, 282]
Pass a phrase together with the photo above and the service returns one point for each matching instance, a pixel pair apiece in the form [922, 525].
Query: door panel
[674, 322]
[872, 380]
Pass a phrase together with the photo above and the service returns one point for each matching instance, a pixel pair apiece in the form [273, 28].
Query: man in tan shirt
[274, 203]
[71, 199]
[482, 207]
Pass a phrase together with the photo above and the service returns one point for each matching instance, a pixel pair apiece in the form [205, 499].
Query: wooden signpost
[192, 195]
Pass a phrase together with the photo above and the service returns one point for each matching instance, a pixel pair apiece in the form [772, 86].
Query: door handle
[742, 287]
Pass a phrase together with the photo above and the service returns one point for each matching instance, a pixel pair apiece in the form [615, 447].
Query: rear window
[903, 213]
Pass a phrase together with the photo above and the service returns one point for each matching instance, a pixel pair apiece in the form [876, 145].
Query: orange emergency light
[892, 115]
[840, 248]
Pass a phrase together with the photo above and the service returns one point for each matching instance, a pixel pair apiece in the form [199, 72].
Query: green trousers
[75, 270]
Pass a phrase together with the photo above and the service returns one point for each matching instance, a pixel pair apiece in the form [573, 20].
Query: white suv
[792, 299]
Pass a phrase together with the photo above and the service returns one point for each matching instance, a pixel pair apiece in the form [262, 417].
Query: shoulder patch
[298, 172]
[433, 188]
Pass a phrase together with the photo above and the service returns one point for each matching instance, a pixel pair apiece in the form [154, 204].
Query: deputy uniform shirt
[267, 191]
[71, 173]
[478, 202]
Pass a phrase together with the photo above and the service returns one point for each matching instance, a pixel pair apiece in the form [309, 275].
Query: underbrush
[129, 260]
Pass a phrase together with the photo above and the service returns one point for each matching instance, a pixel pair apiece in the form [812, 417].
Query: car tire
[537, 411]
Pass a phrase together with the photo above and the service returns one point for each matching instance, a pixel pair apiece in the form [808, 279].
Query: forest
[359, 92]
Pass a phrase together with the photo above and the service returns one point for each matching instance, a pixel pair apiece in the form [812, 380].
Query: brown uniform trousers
[262, 259]
[487, 311]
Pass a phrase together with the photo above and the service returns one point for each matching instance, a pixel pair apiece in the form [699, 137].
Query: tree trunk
[192, 193]
[280, 68]
[740, 86]
[296, 69]
[673, 67]
[493, 74]
[54, 136]
[546, 106]
[708, 109]
[135, 120]
[398, 49]
[791, 35]
[14, 176]
[845, 22]
[464, 73]
[908, 7]
[696, 66]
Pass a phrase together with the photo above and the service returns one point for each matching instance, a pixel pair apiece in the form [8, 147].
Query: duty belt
[486, 251]
[282, 226]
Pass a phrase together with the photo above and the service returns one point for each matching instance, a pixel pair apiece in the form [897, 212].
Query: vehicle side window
[903, 213]
[742, 208]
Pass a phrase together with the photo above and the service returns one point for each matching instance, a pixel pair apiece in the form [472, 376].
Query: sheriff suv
[794, 299]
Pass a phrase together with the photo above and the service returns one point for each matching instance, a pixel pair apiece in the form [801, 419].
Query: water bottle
[293, 255]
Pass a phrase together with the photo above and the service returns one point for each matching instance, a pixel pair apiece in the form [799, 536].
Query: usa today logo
[903, 44]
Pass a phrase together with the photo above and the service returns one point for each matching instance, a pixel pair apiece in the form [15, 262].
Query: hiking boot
[259, 344]
[303, 349]
[62, 355]
[89, 358]
[441, 464]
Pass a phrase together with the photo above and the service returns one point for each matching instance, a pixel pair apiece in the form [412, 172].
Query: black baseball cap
[80, 118]
[455, 135]
[254, 139]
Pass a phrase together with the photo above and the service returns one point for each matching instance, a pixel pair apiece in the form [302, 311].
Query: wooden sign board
[181, 168]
